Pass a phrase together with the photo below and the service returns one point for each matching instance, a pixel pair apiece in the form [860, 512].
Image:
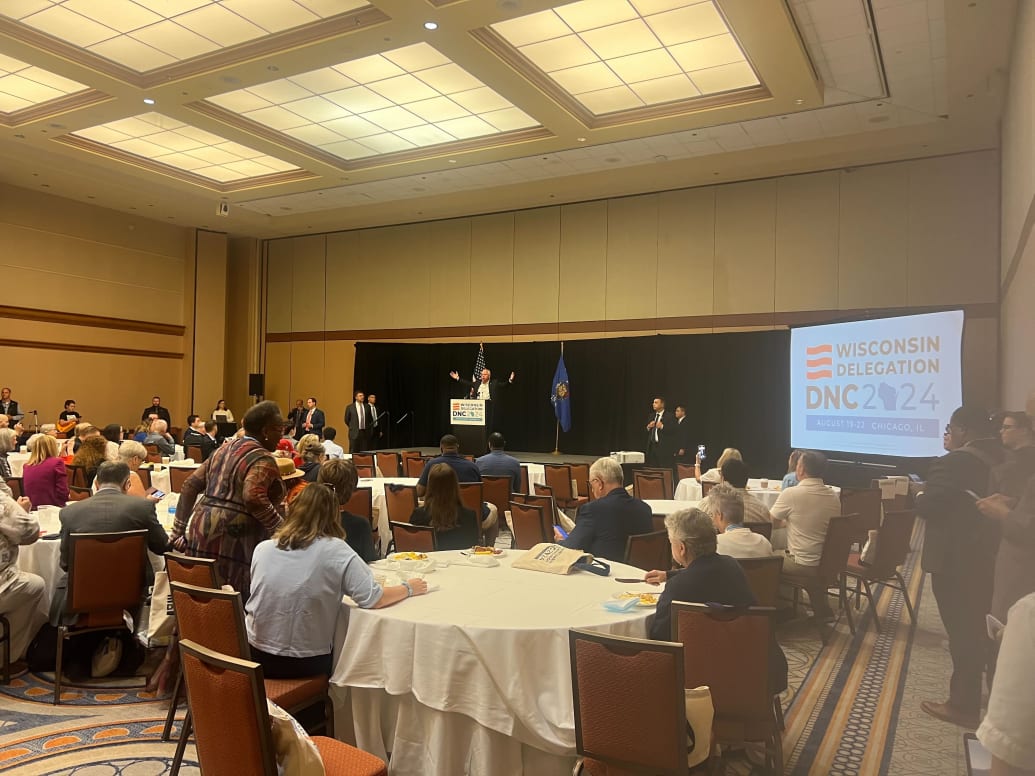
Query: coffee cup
[764, 483]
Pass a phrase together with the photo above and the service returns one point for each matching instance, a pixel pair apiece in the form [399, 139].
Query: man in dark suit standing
[9, 406]
[606, 523]
[681, 442]
[360, 423]
[311, 421]
[487, 389]
[658, 437]
[110, 510]
[376, 431]
[196, 435]
[156, 411]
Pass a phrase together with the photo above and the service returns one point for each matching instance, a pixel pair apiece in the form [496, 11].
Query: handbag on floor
[555, 559]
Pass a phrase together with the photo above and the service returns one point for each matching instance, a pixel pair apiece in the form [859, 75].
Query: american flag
[479, 365]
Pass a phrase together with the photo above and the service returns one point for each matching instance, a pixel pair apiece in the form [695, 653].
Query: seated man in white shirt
[725, 505]
[330, 447]
[806, 509]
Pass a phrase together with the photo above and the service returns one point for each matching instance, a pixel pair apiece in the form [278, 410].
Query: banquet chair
[234, 732]
[215, 619]
[543, 499]
[362, 503]
[79, 494]
[558, 479]
[580, 474]
[363, 459]
[200, 572]
[529, 525]
[415, 466]
[496, 491]
[389, 464]
[762, 529]
[648, 486]
[666, 476]
[471, 497]
[194, 453]
[739, 681]
[648, 551]
[145, 477]
[364, 472]
[154, 455]
[5, 638]
[630, 709]
[15, 484]
[867, 504]
[400, 501]
[833, 561]
[684, 471]
[893, 540]
[406, 455]
[524, 480]
[177, 476]
[763, 576]
[105, 576]
[76, 475]
[413, 538]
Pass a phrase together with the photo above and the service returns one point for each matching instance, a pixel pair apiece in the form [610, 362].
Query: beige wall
[99, 307]
[908, 234]
[1018, 205]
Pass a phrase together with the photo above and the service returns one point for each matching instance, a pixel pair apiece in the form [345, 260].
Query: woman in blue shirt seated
[298, 579]
[456, 526]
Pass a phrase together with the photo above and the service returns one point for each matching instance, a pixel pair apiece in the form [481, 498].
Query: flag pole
[557, 424]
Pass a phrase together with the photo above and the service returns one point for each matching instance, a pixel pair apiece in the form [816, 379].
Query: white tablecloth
[663, 507]
[17, 462]
[536, 475]
[475, 677]
[688, 489]
[377, 486]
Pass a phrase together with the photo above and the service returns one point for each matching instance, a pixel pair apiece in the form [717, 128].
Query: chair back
[544, 499]
[666, 475]
[228, 706]
[15, 484]
[648, 486]
[145, 477]
[154, 455]
[558, 479]
[400, 501]
[212, 617]
[405, 455]
[836, 546]
[365, 472]
[413, 538]
[685, 471]
[471, 496]
[524, 480]
[177, 476]
[893, 542]
[648, 551]
[415, 466]
[527, 520]
[865, 503]
[362, 503]
[496, 490]
[706, 486]
[194, 453]
[389, 464]
[763, 575]
[580, 473]
[200, 572]
[363, 459]
[79, 494]
[105, 575]
[727, 649]
[646, 679]
[76, 473]
[762, 529]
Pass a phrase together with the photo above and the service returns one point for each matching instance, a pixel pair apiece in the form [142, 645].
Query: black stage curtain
[735, 386]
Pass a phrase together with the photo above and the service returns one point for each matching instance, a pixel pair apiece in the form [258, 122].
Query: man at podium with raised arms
[487, 389]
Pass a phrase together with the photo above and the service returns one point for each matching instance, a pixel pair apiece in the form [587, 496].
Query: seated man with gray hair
[159, 437]
[725, 505]
[706, 578]
[605, 524]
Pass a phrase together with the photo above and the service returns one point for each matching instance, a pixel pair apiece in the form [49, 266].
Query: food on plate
[480, 550]
[409, 556]
[646, 599]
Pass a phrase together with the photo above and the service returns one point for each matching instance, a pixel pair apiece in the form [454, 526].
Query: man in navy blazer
[605, 524]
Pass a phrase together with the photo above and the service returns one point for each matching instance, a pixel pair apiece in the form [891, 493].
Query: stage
[524, 457]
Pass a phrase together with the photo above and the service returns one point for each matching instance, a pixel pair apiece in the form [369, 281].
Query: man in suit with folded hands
[660, 433]
[311, 421]
[360, 422]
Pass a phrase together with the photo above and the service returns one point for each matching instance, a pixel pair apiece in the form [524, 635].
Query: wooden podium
[467, 418]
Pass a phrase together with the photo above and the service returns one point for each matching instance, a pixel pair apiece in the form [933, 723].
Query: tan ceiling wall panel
[686, 252]
[952, 229]
[980, 364]
[345, 265]
[447, 251]
[492, 269]
[209, 336]
[308, 375]
[874, 237]
[1018, 324]
[537, 242]
[1018, 135]
[807, 228]
[745, 252]
[397, 257]
[308, 267]
[242, 321]
[632, 257]
[278, 374]
[583, 261]
[339, 366]
[280, 284]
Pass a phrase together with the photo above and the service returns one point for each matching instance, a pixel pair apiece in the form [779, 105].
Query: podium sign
[467, 412]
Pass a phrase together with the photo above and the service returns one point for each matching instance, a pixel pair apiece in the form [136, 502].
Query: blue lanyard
[733, 527]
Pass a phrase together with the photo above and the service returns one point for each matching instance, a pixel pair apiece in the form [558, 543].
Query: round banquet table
[475, 676]
[536, 475]
[662, 507]
[688, 489]
[380, 514]
[17, 462]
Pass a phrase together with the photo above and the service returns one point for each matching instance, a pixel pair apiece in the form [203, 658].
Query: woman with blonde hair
[715, 475]
[297, 581]
[44, 478]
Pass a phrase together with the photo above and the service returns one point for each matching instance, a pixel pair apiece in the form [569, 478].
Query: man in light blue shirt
[499, 463]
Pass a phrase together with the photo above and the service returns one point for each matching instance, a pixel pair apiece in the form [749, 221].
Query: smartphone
[700, 452]
[561, 531]
[979, 760]
[915, 478]
[158, 494]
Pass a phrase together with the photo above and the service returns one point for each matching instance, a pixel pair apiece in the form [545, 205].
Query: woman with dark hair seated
[297, 581]
[456, 526]
[341, 475]
[92, 453]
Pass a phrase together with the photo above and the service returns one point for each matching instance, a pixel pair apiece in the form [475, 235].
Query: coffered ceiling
[314, 115]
